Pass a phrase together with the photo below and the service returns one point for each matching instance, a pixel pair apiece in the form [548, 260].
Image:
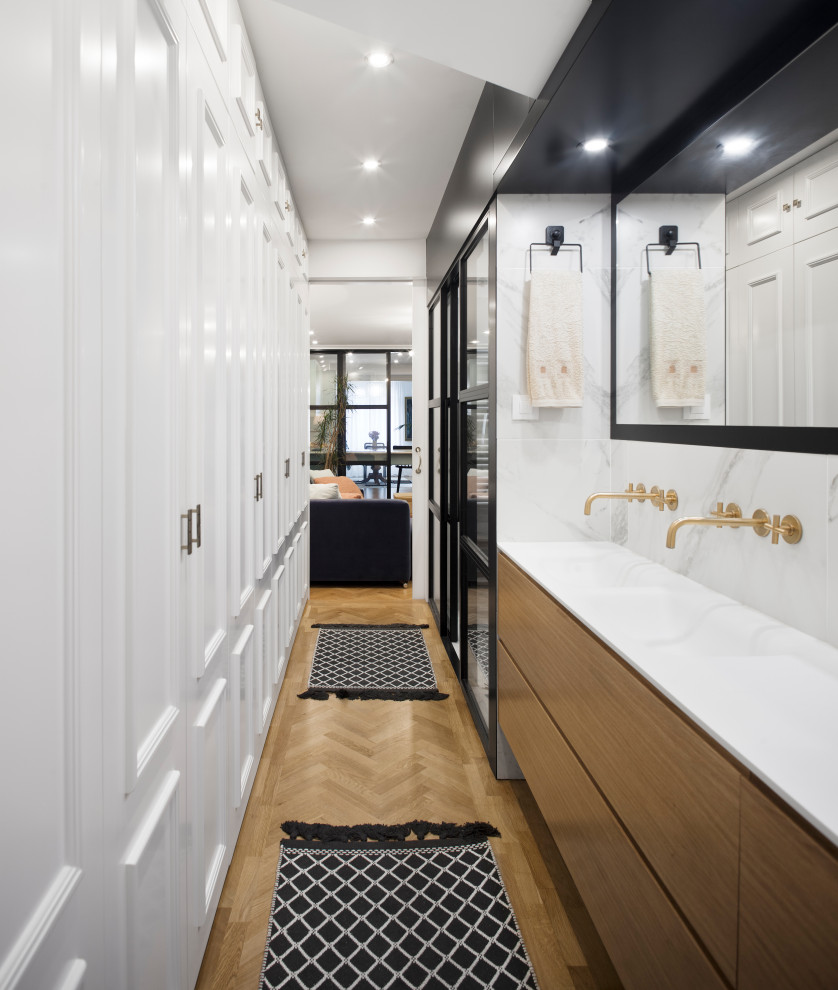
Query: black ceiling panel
[652, 75]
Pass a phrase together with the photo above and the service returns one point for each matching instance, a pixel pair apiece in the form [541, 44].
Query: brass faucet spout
[589, 501]
[761, 523]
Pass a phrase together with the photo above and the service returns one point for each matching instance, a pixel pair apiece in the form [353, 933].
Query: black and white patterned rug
[386, 662]
[396, 915]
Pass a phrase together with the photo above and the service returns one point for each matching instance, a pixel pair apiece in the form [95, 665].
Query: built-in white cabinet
[782, 300]
[155, 542]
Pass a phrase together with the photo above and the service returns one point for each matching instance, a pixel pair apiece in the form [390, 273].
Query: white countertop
[766, 692]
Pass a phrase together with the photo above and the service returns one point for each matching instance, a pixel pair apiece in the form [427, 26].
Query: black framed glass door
[463, 550]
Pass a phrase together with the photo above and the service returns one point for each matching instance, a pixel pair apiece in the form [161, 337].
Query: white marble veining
[787, 581]
[542, 486]
[766, 692]
[699, 218]
[522, 220]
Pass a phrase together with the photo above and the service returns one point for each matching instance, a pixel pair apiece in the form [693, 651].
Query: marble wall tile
[785, 581]
[619, 482]
[699, 218]
[542, 487]
[521, 220]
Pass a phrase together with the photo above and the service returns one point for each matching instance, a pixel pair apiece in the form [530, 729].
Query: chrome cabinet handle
[419, 452]
[198, 526]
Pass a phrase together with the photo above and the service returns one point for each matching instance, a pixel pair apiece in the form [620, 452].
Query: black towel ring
[668, 239]
[541, 244]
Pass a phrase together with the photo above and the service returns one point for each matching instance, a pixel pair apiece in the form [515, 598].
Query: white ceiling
[330, 110]
[513, 45]
[361, 314]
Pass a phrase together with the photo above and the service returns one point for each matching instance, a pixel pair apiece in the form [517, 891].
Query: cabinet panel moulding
[39, 926]
[161, 823]
[74, 977]
[241, 688]
[211, 720]
[154, 739]
[215, 14]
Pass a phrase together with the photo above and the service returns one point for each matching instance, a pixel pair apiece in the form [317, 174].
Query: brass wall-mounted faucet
[656, 496]
[761, 523]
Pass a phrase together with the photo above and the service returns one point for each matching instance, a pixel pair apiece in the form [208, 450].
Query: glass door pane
[476, 465]
[476, 328]
[476, 673]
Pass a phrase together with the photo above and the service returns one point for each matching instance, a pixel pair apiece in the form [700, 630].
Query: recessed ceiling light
[410, 353]
[379, 60]
[314, 342]
[595, 144]
[371, 164]
[311, 333]
[368, 221]
[737, 146]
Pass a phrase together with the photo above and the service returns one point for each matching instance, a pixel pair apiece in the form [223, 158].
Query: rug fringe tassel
[368, 625]
[364, 694]
[311, 831]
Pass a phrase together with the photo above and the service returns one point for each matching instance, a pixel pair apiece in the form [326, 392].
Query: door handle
[419, 452]
[188, 545]
[256, 479]
[302, 458]
[287, 467]
[198, 526]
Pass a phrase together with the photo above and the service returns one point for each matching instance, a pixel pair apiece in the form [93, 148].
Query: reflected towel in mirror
[677, 336]
[555, 359]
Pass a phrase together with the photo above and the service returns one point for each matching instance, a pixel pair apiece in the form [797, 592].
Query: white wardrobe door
[761, 341]
[816, 329]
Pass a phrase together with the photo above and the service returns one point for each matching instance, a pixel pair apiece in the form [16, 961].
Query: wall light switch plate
[698, 412]
[522, 408]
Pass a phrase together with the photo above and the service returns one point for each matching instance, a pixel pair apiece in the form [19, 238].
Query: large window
[375, 436]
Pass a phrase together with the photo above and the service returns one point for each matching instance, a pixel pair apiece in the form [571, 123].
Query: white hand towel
[677, 336]
[555, 360]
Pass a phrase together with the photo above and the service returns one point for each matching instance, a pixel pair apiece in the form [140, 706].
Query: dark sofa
[360, 540]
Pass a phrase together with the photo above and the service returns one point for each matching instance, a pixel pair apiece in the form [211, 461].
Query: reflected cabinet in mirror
[726, 288]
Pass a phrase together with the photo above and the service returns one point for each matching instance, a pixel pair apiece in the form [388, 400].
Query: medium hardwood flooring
[346, 762]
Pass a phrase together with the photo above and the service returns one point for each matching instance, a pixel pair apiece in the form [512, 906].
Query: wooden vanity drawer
[674, 792]
[788, 936]
[645, 936]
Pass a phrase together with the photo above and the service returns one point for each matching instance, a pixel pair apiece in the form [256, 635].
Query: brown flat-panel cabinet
[648, 942]
[675, 794]
[693, 877]
[788, 911]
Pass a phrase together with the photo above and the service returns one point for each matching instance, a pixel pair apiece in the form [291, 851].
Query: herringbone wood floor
[378, 761]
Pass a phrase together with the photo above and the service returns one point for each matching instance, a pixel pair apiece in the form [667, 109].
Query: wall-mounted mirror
[736, 322]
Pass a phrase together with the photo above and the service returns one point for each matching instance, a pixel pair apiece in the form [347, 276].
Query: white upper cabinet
[761, 221]
[816, 194]
[264, 143]
[799, 203]
[278, 188]
[243, 85]
[210, 20]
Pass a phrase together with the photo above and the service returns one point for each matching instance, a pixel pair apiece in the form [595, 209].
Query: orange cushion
[353, 496]
[346, 486]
